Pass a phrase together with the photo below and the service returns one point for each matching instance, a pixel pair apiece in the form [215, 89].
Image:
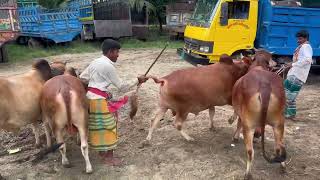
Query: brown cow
[196, 89]
[64, 105]
[20, 97]
[258, 99]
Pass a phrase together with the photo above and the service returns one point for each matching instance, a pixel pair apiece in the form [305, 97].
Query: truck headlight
[205, 49]
[174, 18]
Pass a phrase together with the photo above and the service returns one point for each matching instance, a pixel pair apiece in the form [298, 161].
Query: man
[100, 74]
[298, 74]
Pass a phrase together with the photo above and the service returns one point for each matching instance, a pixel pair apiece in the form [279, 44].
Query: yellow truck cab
[232, 26]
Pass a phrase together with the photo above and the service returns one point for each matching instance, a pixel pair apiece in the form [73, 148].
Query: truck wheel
[21, 40]
[33, 43]
[174, 37]
[3, 55]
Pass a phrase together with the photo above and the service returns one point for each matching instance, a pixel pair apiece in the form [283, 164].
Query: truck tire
[22, 40]
[3, 54]
[34, 43]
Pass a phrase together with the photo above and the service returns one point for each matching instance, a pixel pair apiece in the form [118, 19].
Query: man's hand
[289, 65]
[142, 79]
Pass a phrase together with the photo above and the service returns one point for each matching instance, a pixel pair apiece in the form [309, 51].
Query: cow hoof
[231, 120]
[190, 139]
[248, 177]
[148, 138]
[89, 171]
[144, 144]
[235, 140]
[38, 146]
[212, 128]
[66, 165]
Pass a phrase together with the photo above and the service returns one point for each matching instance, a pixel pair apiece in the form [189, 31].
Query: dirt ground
[211, 156]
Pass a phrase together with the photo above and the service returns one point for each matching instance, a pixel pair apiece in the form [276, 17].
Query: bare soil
[211, 156]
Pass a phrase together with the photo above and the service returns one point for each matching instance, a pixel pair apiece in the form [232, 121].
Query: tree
[156, 7]
[51, 4]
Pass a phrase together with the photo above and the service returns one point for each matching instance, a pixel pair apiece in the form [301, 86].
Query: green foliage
[19, 53]
[51, 4]
[155, 7]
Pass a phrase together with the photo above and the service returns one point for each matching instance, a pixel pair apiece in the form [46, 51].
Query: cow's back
[19, 96]
[247, 91]
[255, 79]
[63, 85]
[199, 87]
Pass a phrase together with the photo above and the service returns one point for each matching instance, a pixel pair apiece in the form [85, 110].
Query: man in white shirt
[100, 74]
[298, 74]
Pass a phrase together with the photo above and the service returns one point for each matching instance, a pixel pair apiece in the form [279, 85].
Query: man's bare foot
[113, 161]
[110, 159]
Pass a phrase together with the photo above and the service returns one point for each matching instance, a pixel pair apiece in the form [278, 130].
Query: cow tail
[134, 104]
[265, 93]
[134, 97]
[157, 80]
[40, 155]
[66, 94]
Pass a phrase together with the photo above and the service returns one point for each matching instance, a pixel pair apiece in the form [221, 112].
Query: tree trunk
[160, 21]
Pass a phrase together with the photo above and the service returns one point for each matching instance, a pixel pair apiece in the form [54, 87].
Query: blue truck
[235, 26]
[38, 24]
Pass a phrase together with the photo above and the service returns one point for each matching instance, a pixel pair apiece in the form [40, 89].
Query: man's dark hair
[303, 33]
[108, 45]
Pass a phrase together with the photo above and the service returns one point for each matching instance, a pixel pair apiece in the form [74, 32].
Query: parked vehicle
[9, 27]
[111, 19]
[177, 15]
[38, 24]
[231, 27]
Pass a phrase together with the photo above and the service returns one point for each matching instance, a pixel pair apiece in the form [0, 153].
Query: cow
[258, 98]
[58, 67]
[20, 97]
[196, 89]
[64, 106]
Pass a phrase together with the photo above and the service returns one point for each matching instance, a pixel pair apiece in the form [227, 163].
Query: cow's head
[225, 59]
[58, 67]
[71, 71]
[263, 58]
[43, 67]
[240, 65]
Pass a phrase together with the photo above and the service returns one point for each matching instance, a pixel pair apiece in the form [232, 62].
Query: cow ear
[272, 63]
[247, 60]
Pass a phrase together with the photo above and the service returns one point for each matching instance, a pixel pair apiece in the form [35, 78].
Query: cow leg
[248, 140]
[62, 149]
[47, 131]
[84, 148]
[233, 117]
[280, 149]
[178, 124]
[35, 129]
[236, 134]
[160, 113]
[211, 115]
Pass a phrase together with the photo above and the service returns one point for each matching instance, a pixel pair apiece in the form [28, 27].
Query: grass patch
[18, 53]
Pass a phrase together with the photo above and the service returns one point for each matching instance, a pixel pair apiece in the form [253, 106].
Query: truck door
[236, 28]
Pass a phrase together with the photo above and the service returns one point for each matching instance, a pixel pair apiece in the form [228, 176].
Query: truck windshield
[203, 13]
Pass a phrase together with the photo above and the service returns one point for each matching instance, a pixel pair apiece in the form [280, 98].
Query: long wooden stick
[157, 58]
[134, 101]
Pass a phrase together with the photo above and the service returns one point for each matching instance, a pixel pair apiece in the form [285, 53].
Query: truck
[111, 19]
[38, 24]
[177, 15]
[9, 27]
[235, 26]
